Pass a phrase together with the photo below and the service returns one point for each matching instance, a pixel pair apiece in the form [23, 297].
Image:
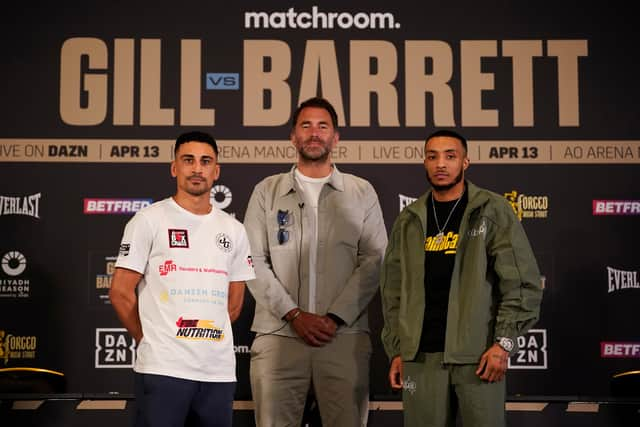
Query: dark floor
[64, 413]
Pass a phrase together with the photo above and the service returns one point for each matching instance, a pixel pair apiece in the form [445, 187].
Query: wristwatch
[505, 343]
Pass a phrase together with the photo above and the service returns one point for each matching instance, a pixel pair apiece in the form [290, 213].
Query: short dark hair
[316, 102]
[450, 134]
[195, 136]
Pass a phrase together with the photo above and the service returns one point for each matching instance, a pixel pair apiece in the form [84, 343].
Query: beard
[316, 155]
[449, 186]
[198, 190]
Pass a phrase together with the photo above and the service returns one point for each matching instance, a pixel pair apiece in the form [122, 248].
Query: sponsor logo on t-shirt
[446, 243]
[197, 329]
[124, 249]
[250, 261]
[178, 238]
[224, 242]
[167, 267]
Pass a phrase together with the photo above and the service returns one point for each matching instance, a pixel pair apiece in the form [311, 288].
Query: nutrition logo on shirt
[201, 330]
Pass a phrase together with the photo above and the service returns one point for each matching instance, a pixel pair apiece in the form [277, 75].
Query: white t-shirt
[311, 189]
[187, 262]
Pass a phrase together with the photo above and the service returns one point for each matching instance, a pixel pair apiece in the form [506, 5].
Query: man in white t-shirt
[179, 283]
[318, 238]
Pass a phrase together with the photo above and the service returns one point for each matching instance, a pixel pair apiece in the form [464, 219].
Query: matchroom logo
[616, 207]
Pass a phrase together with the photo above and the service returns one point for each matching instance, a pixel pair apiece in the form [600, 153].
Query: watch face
[506, 343]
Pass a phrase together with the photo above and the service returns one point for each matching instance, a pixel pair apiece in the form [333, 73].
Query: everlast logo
[27, 205]
[622, 279]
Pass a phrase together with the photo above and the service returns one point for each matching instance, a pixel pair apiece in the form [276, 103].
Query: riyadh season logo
[115, 348]
[317, 19]
[13, 265]
[616, 207]
[25, 205]
[220, 196]
[405, 201]
[618, 280]
[532, 351]
[526, 206]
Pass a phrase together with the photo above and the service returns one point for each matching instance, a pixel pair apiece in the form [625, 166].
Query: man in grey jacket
[459, 284]
[317, 237]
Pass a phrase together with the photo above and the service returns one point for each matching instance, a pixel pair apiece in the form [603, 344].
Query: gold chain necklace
[440, 235]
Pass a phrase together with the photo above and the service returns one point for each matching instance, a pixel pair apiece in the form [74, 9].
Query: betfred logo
[616, 207]
[114, 206]
[620, 350]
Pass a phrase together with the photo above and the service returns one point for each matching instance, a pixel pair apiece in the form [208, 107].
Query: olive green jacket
[496, 287]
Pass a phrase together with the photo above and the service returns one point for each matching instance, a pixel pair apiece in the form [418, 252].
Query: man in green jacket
[459, 284]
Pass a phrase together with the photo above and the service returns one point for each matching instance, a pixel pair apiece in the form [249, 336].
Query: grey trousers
[434, 393]
[283, 368]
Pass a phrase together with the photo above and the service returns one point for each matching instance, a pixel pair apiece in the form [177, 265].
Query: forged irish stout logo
[115, 348]
[527, 206]
[17, 347]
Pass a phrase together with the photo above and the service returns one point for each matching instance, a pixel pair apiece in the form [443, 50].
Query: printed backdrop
[95, 95]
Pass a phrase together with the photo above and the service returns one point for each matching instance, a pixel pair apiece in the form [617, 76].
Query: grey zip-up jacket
[351, 242]
[496, 287]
